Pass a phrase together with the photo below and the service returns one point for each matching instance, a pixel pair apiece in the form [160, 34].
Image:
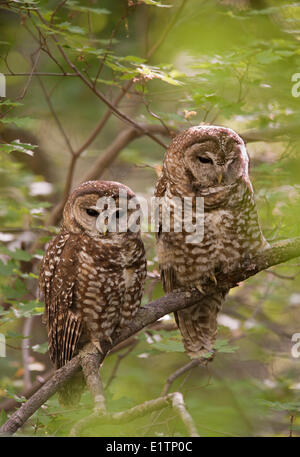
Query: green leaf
[16, 145]
[18, 254]
[11, 394]
[155, 3]
[8, 102]
[282, 406]
[16, 292]
[164, 341]
[150, 73]
[14, 335]
[268, 56]
[19, 121]
[6, 269]
[71, 28]
[73, 5]
[29, 308]
[223, 346]
[3, 417]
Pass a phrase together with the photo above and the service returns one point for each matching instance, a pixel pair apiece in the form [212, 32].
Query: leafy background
[223, 62]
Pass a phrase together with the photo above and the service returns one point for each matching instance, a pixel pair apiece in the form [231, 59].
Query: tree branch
[189, 366]
[90, 359]
[175, 400]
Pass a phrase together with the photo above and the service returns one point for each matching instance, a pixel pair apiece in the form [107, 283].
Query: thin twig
[60, 5]
[22, 95]
[58, 123]
[189, 366]
[39, 73]
[26, 351]
[120, 357]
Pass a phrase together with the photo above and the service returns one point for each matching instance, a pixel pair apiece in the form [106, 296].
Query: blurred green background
[228, 63]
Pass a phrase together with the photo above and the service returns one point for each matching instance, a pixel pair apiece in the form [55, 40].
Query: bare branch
[120, 357]
[37, 73]
[24, 91]
[122, 140]
[166, 30]
[175, 400]
[178, 373]
[26, 351]
[60, 5]
[90, 359]
[58, 123]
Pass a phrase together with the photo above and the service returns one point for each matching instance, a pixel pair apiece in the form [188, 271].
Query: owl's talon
[213, 278]
[199, 288]
[97, 345]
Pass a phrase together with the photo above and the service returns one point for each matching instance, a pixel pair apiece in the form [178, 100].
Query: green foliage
[215, 64]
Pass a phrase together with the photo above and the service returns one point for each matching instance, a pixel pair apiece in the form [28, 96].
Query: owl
[93, 272]
[209, 162]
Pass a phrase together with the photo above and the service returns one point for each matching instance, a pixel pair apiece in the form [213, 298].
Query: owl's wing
[134, 275]
[163, 248]
[57, 280]
[161, 185]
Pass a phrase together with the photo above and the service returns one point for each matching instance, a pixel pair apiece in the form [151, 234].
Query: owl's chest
[220, 228]
[98, 275]
[220, 247]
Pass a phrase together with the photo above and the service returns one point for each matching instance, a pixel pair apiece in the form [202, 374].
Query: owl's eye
[204, 159]
[119, 213]
[92, 212]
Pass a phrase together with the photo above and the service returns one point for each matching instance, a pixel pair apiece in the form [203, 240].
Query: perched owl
[209, 162]
[93, 272]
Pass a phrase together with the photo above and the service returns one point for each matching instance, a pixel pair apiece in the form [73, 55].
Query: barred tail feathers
[198, 326]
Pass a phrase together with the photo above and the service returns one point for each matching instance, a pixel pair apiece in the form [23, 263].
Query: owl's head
[99, 209]
[207, 156]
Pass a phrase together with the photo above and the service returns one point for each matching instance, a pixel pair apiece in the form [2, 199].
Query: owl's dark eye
[205, 159]
[119, 213]
[92, 212]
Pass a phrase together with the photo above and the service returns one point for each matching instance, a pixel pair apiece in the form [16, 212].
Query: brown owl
[209, 162]
[93, 272]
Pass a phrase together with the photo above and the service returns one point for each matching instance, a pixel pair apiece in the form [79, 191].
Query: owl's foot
[203, 355]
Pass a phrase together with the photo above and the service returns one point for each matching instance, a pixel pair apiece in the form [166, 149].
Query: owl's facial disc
[213, 164]
[102, 218]
[84, 213]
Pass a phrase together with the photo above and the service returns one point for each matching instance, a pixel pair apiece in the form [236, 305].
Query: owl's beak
[104, 229]
[220, 176]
